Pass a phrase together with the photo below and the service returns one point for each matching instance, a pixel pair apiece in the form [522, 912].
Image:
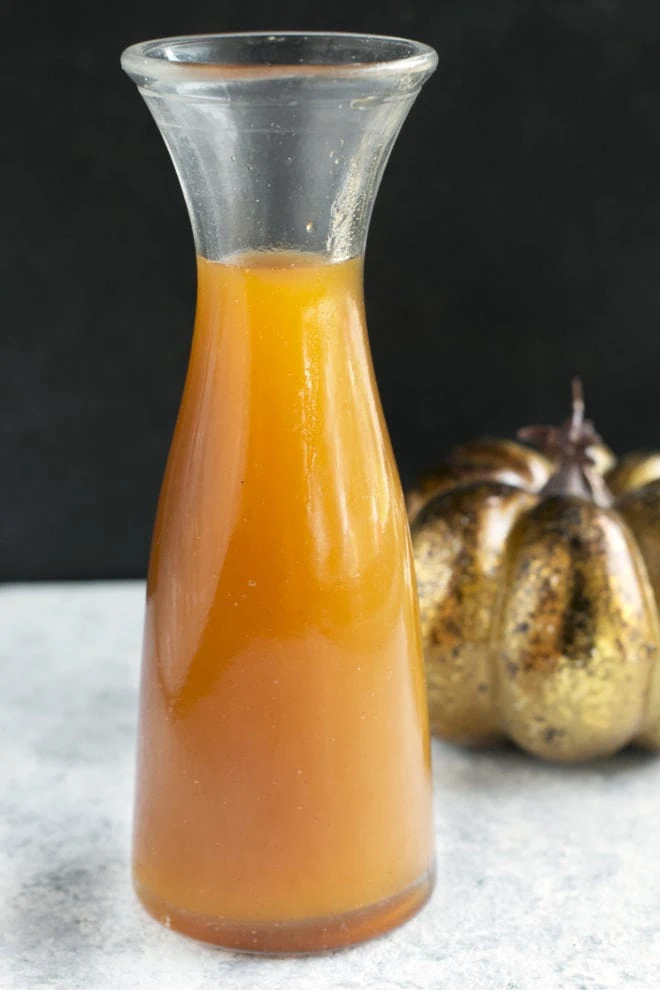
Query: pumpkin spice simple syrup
[283, 776]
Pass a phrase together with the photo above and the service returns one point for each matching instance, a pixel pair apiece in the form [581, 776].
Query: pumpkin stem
[577, 419]
[569, 446]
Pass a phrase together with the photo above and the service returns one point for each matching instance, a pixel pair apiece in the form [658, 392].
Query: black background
[515, 242]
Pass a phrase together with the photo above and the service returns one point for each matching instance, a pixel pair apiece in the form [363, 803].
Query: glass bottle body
[283, 792]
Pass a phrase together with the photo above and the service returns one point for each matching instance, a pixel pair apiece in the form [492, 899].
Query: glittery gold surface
[539, 618]
[482, 460]
[458, 542]
[641, 511]
[603, 458]
[633, 471]
[574, 643]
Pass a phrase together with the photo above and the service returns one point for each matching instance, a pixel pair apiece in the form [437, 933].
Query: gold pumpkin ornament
[539, 583]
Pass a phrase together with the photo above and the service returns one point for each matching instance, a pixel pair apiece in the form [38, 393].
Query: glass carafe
[283, 790]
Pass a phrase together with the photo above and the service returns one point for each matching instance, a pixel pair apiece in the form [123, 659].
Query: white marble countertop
[549, 878]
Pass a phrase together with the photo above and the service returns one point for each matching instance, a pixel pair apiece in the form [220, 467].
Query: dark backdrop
[516, 241]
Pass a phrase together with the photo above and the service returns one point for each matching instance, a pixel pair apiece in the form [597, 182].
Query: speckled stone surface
[549, 878]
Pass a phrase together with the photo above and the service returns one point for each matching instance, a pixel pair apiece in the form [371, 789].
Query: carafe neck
[280, 141]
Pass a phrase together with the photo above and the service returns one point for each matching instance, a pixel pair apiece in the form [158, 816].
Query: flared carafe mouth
[254, 56]
[279, 139]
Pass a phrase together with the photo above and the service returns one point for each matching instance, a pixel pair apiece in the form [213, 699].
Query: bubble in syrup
[310, 226]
